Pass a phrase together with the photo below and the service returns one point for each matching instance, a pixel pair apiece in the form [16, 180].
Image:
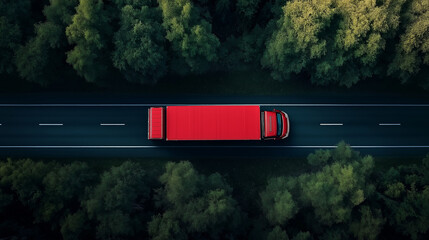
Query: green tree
[370, 224]
[320, 157]
[10, 36]
[63, 192]
[395, 190]
[336, 189]
[410, 215]
[34, 60]
[89, 32]
[296, 41]
[332, 191]
[247, 7]
[189, 33]
[336, 41]
[243, 52]
[405, 194]
[166, 226]
[25, 178]
[335, 233]
[51, 192]
[412, 51]
[363, 31]
[117, 202]
[14, 21]
[5, 199]
[302, 236]
[74, 225]
[140, 53]
[277, 234]
[41, 58]
[193, 205]
[277, 201]
[16, 10]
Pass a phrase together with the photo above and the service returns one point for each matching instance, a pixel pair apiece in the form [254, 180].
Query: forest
[336, 193]
[327, 42]
[340, 194]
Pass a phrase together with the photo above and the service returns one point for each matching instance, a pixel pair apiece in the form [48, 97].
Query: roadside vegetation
[336, 194]
[326, 42]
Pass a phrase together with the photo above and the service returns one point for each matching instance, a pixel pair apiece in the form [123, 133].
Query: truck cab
[275, 125]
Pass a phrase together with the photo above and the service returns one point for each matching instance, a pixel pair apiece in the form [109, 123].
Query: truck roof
[213, 122]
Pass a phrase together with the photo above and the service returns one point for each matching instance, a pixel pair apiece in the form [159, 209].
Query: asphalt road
[120, 130]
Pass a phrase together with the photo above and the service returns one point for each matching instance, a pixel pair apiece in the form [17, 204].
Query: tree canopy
[116, 201]
[277, 201]
[193, 205]
[343, 196]
[335, 41]
[189, 33]
[140, 44]
[325, 42]
[44, 53]
[89, 33]
[412, 51]
[14, 21]
[332, 194]
[405, 194]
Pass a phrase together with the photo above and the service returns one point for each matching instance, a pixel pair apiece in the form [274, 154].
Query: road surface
[120, 130]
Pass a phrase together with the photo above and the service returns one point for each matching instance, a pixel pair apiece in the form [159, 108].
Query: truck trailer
[216, 122]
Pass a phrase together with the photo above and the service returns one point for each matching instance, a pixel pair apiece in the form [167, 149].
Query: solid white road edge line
[136, 146]
[331, 124]
[389, 124]
[51, 124]
[112, 124]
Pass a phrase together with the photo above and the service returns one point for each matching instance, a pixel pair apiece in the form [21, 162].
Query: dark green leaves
[140, 44]
[370, 224]
[277, 201]
[115, 202]
[41, 58]
[10, 36]
[193, 204]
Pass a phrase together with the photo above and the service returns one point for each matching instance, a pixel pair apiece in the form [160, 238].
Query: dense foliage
[140, 43]
[344, 198]
[338, 195]
[193, 205]
[337, 42]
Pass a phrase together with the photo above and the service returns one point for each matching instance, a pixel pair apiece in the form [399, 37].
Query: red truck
[216, 122]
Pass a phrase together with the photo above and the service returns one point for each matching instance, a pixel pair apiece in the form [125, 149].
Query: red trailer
[216, 122]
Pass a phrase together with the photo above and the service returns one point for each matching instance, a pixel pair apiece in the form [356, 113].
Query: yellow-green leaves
[339, 184]
[296, 41]
[337, 41]
[189, 33]
[395, 190]
[412, 51]
[88, 32]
